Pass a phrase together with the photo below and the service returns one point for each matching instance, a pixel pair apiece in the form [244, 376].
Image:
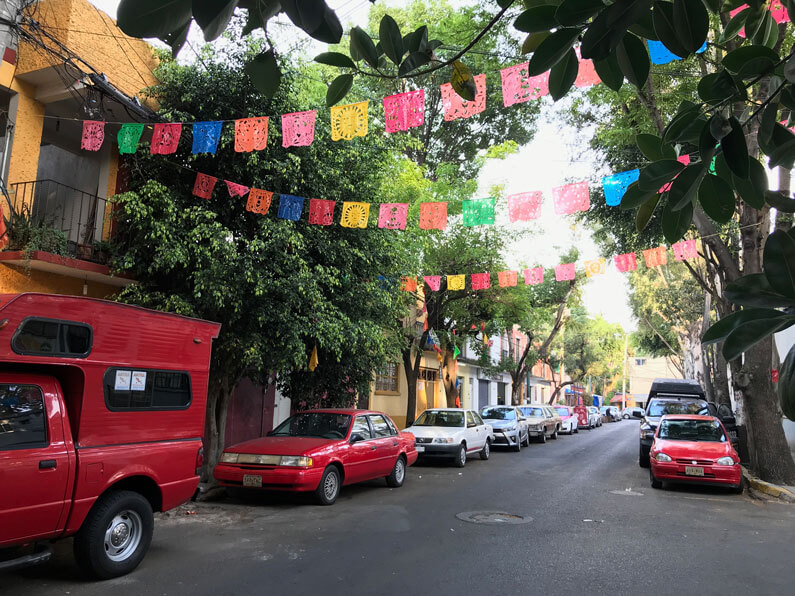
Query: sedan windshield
[314, 424]
[440, 418]
[563, 411]
[533, 412]
[499, 413]
[661, 407]
[692, 430]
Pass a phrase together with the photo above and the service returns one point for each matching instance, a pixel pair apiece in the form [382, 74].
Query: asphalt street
[597, 527]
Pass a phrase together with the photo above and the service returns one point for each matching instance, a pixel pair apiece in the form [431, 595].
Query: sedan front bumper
[677, 472]
[501, 438]
[291, 479]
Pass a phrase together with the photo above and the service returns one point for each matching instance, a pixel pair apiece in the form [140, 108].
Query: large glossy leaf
[755, 290]
[722, 328]
[330, 29]
[665, 28]
[362, 45]
[735, 149]
[338, 89]
[575, 12]
[264, 73]
[391, 39]
[779, 262]
[462, 81]
[533, 40]
[552, 50]
[754, 20]
[653, 148]
[745, 336]
[687, 114]
[563, 75]
[609, 71]
[608, 28]
[685, 188]
[734, 26]
[719, 126]
[213, 16]
[717, 87]
[417, 40]
[643, 216]
[644, 28]
[412, 62]
[717, 198]
[750, 61]
[539, 18]
[635, 197]
[691, 20]
[675, 222]
[658, 173]
[633, 60]
[335, 59]
[153, 18]
[752, 189]
[782, 152]
[176, 39]
[780, 201]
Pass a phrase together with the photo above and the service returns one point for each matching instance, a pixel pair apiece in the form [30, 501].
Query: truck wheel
[115, 535]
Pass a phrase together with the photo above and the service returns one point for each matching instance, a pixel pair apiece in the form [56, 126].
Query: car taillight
[199, 460]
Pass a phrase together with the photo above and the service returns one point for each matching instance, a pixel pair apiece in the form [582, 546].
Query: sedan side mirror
[356, 437]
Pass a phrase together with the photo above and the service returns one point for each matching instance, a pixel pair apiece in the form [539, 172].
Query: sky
[547, 161]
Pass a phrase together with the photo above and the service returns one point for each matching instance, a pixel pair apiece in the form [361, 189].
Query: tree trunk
[516, 390]
[720, 385]
[411, 370]
[218, 395]
[449, 376]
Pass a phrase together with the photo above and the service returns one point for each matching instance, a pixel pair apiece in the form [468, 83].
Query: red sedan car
[694, 449]
[320, 451]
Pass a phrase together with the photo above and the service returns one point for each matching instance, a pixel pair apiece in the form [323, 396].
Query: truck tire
[115, 535]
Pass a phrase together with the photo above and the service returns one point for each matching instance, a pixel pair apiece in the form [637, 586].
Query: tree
[279, 288]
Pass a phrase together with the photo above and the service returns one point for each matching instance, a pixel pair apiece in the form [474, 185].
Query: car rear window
[37, 336]
[661, 407]
[146, 389]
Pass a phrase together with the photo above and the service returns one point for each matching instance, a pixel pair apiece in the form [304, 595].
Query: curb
[767, 488]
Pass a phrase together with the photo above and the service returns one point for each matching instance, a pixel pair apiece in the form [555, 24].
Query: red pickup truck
[101, 421]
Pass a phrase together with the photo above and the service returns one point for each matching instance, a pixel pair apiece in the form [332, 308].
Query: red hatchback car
[320, 451]
[694, 449]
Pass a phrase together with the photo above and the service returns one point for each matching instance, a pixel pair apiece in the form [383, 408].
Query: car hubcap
[123, 535]
[330, 486]
[486, 449]
[463, 455]
[400, 470]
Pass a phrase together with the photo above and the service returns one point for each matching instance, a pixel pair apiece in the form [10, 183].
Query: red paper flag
[321, 212]
[204, 185]
[685, 250]
[626, 262]
[655, 257]
[433, 216]
[434, 282]
[507, 279]
[571, 198]
[165, 138]
[259, 201]
[457, 107]
[93, 135]
[534, 276]
[524, 206]
[565, 272]
[481, 281]
[251, 134]
[236, 190]
[392, 216]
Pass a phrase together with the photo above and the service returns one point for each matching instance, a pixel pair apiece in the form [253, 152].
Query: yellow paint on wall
[14, 280]
[6, 73]
[24, 161]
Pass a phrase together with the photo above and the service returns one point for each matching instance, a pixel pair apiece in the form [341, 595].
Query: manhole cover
[627, 491]
[494, 518]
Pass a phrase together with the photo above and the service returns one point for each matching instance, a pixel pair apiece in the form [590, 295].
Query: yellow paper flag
[354, 215]
[313, 359]
[594, 267]
[456, 282]
[349, 121]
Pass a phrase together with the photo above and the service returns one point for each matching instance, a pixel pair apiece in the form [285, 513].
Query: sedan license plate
[694, 471]
[252, 480]
[420, 449]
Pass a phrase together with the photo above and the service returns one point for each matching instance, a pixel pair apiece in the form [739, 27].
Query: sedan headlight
[663, 457]
[535, 427]
[510, 429]
[443, 440]
[296, 461]
[229, 458]
[725, 461]
[267, 460]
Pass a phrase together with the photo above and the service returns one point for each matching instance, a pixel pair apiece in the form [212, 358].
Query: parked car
[451, 433]
[541, 422]
[508, 426]
[610, 414]
[594, 417]
[632, 412]
[557, 421]
[568, 419]
[101, 422]
[320, 451]
[694, 449]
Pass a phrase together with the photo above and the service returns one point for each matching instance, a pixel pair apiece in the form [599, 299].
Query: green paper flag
[479, 212]
[128, 137]
[456, 352]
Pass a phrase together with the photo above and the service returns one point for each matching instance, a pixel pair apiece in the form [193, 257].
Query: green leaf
[213, 16]
[362, 45]
[314, 17]
[609, 71]
[750, 61]
[417, 40]
[412, 62]
[608, 28]
[533, 40]
[752, 189]
[335, 59]
[685, 187]
[722, 328]
[717, 199]
[177, 39]
[755, 290]
[153, 18]
[645, 212]
[718, 87]
[462, 81]
[779, 262]
[264, 73]
[644, 28]
[539, 18]
[563, 75]
[576, 12]
[665, 28]
[691, 20]
[633, 59]
[780, 201]
[658, 173]
[783, 150]
[766, 27]
[552, 50]
[330, 29]
[652, 147]
[685, 116]
[735, 149]
[789, 70]
[734, 26]
[635, 197]
[391, 39]
[712, 5]
[787, 97]
[719, 126]
[675, 222]
[767, 124]
[755, 19]
[707, 144]
[745, 336]
[338, 89]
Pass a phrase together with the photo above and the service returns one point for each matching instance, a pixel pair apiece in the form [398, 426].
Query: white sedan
[451, 433]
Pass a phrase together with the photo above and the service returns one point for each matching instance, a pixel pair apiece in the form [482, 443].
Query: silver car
[508, 425]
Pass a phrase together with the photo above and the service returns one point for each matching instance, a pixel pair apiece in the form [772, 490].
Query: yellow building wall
[14, 280]
[23, 163]
[395, 404]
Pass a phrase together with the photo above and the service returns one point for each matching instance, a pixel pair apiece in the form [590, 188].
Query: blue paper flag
[205, 136]
[290, 207]
[616, 185]
[659, 54]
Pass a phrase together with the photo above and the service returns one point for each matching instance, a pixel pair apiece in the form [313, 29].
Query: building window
[640, 361]
[426, 374]
[146, 389]
[386, 379]
[52, 337]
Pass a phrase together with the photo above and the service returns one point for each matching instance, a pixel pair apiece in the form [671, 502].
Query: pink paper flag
[524, 206]
[321, 212]
[404, 110]
[565, 272]
[433, 216]
[507, 279]
[298, 129]
[236, 190]
[626, 262]
[434, 282]
[655, 257]
[457, 107]
[392, 216]
[165, 138]
[481, 281]
[685, 250]
[93, 135]
[518, 87]
[534, 276]
[204, 185]
[586, 73]
[685, 161]
[571, 198]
